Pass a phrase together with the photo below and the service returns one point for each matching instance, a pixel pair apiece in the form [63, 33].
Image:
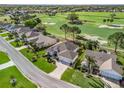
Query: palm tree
[91, 45]
[91, 64]
[74, 30]
[72, 17]
[64, 28]
[117, 39]
[24, 37]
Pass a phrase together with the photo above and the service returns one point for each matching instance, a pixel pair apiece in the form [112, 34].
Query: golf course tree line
[18, 17]
[52, 10]
[116, 39]
[32, 22]
[70, 29]
[110, 19]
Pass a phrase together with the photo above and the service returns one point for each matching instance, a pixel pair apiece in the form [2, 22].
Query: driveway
[59, 70]
[112, 84]
[31, 71]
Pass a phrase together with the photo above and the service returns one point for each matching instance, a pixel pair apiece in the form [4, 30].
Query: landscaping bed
[41, 62]
[3, 58]
[21, 81]
[20, 43]
[78, 78]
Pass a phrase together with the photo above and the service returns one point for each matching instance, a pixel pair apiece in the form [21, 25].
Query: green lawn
[15, 44]
[41, 62]
[4, 35]
[120, 56]
[8, 39]
[6, 74]
[90, 28]
[3, 58]
[78, 78]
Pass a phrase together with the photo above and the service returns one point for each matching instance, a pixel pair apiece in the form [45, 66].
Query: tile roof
[105, 61]
[65, 49]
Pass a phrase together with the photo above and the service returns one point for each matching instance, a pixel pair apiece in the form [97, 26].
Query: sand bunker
[95, 38]
[114, 26]
[49, 23]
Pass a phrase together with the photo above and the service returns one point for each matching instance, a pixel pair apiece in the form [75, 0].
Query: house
[107, 64]
[65, 51]
[22, 29]
[31, 34]
[42, 41]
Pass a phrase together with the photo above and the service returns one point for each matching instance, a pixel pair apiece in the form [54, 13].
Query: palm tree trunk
[65, 34]
[116, 46]
[73, 36]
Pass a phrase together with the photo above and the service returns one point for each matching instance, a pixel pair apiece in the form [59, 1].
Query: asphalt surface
[31, 71]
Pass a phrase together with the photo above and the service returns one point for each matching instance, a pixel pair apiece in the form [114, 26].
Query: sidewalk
[112, 84]
[6, 65]
[22, 47]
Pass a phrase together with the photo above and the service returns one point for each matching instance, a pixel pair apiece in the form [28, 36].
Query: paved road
[31, 71]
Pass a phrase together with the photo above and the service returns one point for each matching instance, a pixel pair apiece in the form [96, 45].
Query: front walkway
[22, 47]
[6, 65]
[4, 32]
[59, 70]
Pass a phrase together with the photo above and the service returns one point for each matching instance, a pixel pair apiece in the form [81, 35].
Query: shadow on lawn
[96, 84]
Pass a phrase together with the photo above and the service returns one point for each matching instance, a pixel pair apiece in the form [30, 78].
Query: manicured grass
[90, 28]
[8, 39]
[120, 56]
[41, 61]
[3, 58]
[15, 44]
[78, 78]
[6, 74]
[4, 35]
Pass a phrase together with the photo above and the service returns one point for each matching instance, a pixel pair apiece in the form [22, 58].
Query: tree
[91, 45]
[64, 28]
[117, 39]
[104, 20]
[24, 38]
[91, 64]
[32, 23]
[41, 28]
[112, 16]
[111, 20]
[10, 36]
[75, 30]
[72, 17]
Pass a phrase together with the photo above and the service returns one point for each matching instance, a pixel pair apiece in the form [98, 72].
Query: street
[31, 71]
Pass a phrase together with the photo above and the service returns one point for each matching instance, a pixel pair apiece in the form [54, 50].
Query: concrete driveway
[59, 70]
[30, 71]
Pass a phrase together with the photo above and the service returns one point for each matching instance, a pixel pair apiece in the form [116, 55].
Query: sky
[67, 2]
